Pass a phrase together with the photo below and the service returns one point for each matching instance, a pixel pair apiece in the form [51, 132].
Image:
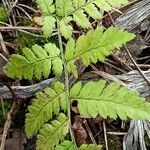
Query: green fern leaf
[48, 25]
[76, 10]
[108, 5]
[43, 108]
[93, 11]
[51, 134]
[79, 8]
[35, 63]
[95, 46]
[65, 29]
[68, 145]
[81, 19]
[46, 7]
[90, 147]
[109, 100]
[3, 14]
[63, 7]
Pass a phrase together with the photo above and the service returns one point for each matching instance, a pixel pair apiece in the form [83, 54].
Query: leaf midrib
[34, 62]
[106, 100]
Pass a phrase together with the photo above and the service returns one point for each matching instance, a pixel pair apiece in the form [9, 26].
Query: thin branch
[19, 28]
[20, 8]
[137, 67]
[111, 65]
[13, 5]
[89, 132]
[141, 65]
[4, 49]
[30, 8]
[7, 126]
[105, 136]
[117, 133]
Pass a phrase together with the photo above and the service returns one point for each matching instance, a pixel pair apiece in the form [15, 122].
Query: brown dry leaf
[38, 21]
[79, 131]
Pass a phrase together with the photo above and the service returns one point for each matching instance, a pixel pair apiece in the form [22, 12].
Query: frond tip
[110, 100]
[35, 63]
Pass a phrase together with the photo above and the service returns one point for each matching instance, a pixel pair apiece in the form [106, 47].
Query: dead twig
[105, 136]
[7, 126]
[19, 28]
[4, 49]
[13, 5]
[106, 76]
[20, 8]
[141, 66]
[89, 132]
[28, 7]
[14, 109]
[137, 67]
[116, 133]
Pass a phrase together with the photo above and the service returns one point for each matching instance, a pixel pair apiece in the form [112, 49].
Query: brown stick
[7, 126]
[4, 49]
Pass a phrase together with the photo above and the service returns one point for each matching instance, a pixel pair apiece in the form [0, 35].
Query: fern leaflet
[94, 46]
[35, 63]
[75, 10]
[43, 108]
[66, 145]
[109, 100]
[48, 25]
[51, 134]
[46, 6]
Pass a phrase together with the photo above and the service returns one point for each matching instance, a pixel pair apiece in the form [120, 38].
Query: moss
[147, 141]
[6, 106]
[3, 14]
[25, 40]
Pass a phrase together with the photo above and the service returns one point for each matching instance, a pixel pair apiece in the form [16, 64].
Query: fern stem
[66, 83]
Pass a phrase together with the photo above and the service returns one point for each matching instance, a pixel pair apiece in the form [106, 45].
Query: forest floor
[21, 28]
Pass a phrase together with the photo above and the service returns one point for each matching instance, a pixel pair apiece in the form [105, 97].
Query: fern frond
[76, 10]
[68, 145]
[95, 46]
[51, 134]
[109, 100]
[35, 63]
[46, 104]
